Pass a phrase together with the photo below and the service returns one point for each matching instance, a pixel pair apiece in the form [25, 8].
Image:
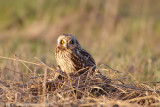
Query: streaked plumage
[70, 56]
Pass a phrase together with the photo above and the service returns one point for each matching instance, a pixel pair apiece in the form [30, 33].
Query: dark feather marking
[89, 61]
[77, 63]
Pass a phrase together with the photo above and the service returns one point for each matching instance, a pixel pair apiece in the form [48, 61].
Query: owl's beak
[67, 46]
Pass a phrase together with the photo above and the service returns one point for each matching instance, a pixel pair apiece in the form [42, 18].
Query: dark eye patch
[71, 42]
[62, 42]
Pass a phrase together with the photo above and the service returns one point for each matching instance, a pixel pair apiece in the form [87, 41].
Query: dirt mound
[87, 89]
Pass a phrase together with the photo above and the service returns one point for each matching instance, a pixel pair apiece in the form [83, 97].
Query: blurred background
[122, 34]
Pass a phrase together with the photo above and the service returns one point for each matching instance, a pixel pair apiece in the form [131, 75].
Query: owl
[70, 56]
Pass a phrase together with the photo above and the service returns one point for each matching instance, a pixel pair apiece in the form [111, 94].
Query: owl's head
[66, 41]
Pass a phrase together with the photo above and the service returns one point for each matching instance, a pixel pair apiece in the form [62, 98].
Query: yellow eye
[62, 42]
[71, 42]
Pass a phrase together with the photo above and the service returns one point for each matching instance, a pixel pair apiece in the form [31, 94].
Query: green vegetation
[122, 34]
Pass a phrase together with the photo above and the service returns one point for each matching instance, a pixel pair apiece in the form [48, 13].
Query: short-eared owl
[70, 56]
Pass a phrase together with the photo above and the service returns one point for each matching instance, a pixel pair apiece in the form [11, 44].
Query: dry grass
[90, 88]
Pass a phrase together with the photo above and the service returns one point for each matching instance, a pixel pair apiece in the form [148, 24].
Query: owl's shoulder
[85, 57]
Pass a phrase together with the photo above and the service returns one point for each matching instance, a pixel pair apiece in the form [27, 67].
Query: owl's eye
[71, 42]
[62, 42]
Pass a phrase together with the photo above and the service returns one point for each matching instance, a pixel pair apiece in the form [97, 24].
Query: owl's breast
[64, 60]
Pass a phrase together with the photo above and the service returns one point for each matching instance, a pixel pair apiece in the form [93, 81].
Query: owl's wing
[82, 59]
[87, 58]
[77, 62]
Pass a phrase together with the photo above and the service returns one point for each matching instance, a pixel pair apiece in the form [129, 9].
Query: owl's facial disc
[67, 42]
